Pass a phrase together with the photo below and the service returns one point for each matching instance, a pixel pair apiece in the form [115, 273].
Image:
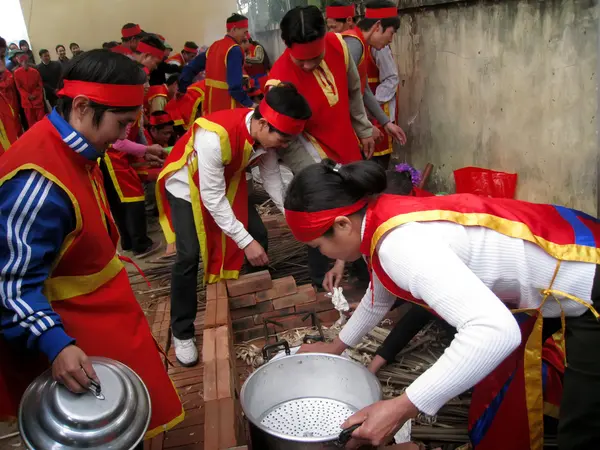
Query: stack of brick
[255, 297]
[224, 425]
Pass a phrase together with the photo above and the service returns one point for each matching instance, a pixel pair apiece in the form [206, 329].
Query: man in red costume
[10, 127]
[131, 34]
[31, 90]
[64, 292]
[189, 52]
[159, 95]
[210, 215]
[341, 16]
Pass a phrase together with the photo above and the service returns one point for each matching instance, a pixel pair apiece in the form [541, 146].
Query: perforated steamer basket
[299, 402]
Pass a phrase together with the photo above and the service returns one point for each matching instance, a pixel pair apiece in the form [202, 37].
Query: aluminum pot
[299, 402]
[115, 416]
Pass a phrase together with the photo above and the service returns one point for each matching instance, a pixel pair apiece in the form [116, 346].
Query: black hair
[153, 41]
[24, 42]
[327, 185]
[100, 66]
[366, 24]
[343, 3]
[174, 78]
[42, 51]
[73, 44]
[398, 183]
[191, 44]
[2, 42]
[162, 125]
[285, 99]
[59, 46]
[109, 45]
[302, 24]
[137, 36]
[236, 18]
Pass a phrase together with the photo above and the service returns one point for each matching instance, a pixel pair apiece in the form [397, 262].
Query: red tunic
[9, 90]
[159, 90]
[176, 59]
[385, 146]
[217, 89]
[88, 286]
[29, 83]
[8, 130]
[221, 256]
[326, 90]
[563, 233]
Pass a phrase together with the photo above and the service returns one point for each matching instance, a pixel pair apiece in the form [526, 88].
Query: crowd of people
[90, 145]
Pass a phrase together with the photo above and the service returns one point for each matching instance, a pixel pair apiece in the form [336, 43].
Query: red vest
[357, 33]
[572, 236]
[326, 90]
[29, 82]
[159, 90]
[217, 89]
[190, 103]
[176, 59]
[9, 90]
[386, 145]
[221, 256]
[255, 70]
[8, 129]
[88, 286]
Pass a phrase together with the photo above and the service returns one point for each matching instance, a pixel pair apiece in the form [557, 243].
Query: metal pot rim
[283, 436]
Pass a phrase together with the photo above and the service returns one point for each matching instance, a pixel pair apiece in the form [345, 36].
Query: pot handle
[346, 435]
[268, 349]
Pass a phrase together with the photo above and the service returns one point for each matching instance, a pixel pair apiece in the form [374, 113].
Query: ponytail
[329, 185]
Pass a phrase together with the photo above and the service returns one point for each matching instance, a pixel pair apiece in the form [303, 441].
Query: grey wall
[508, 86]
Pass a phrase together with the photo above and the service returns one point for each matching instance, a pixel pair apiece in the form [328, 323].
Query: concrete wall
[92, 22]
[508, 86]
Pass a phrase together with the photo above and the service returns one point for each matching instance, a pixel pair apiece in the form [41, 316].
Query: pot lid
[53, 418]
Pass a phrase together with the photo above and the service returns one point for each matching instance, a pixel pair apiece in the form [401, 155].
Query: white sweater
[468, 275]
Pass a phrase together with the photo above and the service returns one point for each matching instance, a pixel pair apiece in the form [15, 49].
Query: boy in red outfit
[31, 89]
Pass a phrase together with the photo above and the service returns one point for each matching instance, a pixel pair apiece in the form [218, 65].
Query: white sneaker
[186, 351]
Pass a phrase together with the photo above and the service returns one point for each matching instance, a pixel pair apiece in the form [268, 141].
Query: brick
[223, 342]
[211, 425]
[223, 316]
[281, 287]
[328, 317]
[318, 306]
[259, 318]
[242, 301]
[305, 294]
[259, 308]
[226, 376]
[248, 335]
[210, 381]
[227, 423]
[211, 292]
[243, 324]
[246, 284]
[210, 315]
[209, 345]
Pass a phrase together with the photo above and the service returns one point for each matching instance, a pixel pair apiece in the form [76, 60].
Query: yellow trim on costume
[564, 252]
[223, 138]
[345, 49]
[115, 182]
[66, 287]
[272, 82]
[193, 112]
[168, 170]
[316, 145]
[327, 83]
[166, 427]
[98, 200]
[159, 94]
[78, 220]
[373, 80]
[390, 149]
[225, 275]
[4, 142]
[216, 84]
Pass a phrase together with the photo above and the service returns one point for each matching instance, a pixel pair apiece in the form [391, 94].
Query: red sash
[88, 286]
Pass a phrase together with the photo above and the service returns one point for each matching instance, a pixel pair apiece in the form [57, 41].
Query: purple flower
[415, 175]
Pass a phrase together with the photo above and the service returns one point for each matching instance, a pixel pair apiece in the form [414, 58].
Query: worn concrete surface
[508, 86]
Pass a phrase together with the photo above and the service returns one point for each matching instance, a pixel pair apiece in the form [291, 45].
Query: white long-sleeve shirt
[468, 275]
[388, 78]
[207, 147]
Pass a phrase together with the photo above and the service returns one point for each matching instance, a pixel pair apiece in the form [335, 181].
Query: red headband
[307, 226]
[145, 48]
[160, 119]
[340, 12]
[131, 32]
[283, 123]
[238, 24]
[190, 50]
[119, 95]
[23, 57]
[381, 13]
[309, 50]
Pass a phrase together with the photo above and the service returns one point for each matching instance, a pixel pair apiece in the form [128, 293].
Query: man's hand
[377, 134]
[333, 278]
[72, 368]
[396, 132]
[380, 421]
[256, 254]
[368, 146]
[336, 347]
[155, 154]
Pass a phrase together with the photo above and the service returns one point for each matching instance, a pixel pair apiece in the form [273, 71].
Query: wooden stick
[426, 175]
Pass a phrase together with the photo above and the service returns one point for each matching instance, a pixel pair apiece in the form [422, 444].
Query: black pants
[184, 275]
[130, 217]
